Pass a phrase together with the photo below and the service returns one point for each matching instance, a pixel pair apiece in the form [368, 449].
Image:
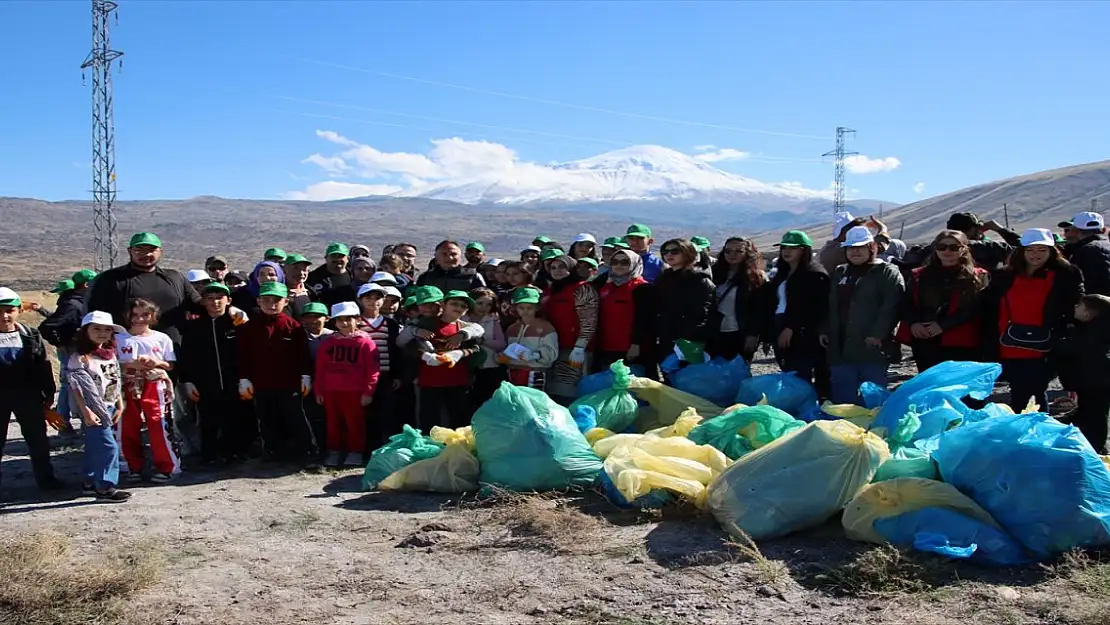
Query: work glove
[191, 391]
[306, 385]
[578, 357]
[533, 356]
[238, 316]
[451, 358]
[431, 359]
[246, 389]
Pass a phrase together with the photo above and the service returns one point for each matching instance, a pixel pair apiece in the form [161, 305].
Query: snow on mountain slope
[641, 173]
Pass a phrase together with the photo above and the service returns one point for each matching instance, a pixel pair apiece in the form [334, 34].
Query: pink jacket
[493, 340]
[347, 364]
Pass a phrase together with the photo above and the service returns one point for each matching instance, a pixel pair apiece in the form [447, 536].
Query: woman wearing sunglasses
[684, 297]
[941, 311]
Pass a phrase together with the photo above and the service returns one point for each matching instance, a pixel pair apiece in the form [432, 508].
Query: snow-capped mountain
[640, 173]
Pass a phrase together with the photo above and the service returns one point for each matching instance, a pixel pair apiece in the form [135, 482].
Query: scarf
[253, 284]
[572, 279]
[636, 271]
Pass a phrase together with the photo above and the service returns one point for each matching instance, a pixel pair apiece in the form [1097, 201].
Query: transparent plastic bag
[454, 470]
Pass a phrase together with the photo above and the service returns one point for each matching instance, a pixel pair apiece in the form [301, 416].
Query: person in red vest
[941, 317]
[570, 304]
[624, 319]
[1034, 295]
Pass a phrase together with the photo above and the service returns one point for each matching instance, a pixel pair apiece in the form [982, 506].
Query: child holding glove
[533, 343]
[347, 369]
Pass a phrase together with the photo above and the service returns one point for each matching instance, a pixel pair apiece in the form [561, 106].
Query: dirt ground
[265, 544]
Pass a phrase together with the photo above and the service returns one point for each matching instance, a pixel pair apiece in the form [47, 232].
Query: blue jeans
[64, 408]
[101, 461]
[846, 378]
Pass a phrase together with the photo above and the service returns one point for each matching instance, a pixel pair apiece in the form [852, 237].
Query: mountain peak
[643, 157]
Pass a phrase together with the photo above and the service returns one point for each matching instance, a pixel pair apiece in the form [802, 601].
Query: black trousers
[486, 382]
[28, 410]
[729, 345]
[284, 427]
[436, 401]
[382, 418]
[1092, 416]
[1029, 379]
[226, 430]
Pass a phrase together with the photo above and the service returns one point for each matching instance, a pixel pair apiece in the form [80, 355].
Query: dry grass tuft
[539, 521]
[47, 582]
[1087, 573]
[880, 571]
[768, 572]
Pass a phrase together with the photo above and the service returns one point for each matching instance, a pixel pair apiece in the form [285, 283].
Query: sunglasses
[216, 267]
[671, 250]
[948, 247]
[622, 262]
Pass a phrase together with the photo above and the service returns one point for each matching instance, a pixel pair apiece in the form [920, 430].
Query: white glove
[430, 359]
[191, 391]
[246, 389]
[578, 357]
[306, 385]
[452, 357]
[238, 316]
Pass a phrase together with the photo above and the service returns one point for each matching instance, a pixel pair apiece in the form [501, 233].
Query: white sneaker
[354, 460]
[332, 459]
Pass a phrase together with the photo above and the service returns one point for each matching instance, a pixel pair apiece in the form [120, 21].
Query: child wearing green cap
[60, 328]
[638, 238]
[533, 345]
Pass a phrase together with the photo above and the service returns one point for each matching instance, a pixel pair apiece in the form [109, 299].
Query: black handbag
[1024, 336]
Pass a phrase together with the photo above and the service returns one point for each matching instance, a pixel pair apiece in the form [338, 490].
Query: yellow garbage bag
[850, 412]
[797, 481]
[634, 482]
[665, 404]
[454, 470]
[447, 436]
[605, 446]
[677, 447]
[596, 434]
[638, 469]
[899, 496]
[1106, 461]
[688, 420]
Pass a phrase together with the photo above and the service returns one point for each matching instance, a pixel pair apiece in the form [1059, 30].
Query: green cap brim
[215, 287]
[145, 238]
[14, 303]
[315, 308]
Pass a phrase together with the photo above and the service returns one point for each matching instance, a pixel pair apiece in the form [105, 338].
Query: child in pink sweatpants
[347, 368]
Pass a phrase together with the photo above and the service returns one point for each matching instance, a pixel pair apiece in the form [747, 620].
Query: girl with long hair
[736, 320]
[796, 307]
[683, 299]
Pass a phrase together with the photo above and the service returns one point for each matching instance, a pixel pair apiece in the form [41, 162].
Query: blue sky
[226, 98]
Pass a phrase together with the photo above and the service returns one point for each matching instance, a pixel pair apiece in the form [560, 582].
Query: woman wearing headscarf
[735, 323]
[625, 315]
[683, 300]
[570, 304]
[246, 298]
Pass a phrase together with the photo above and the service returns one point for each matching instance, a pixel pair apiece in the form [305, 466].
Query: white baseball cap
[384, 276]
[8, 295]
[531, 248]
[584, 238]
[371, 288]
[860, 235]
[197, 275]
[493, 262]
[345, 309]
[1086, 220]
[1037, 236]
[392, 291]
[101, 318]
[840, 220]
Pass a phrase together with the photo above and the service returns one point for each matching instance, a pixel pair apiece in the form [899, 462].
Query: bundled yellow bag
[850, 412]
[899, 496]
[666, 404]
[672, 464]
[797, 481]
[688, 420]
[447, 436]
[454, 470]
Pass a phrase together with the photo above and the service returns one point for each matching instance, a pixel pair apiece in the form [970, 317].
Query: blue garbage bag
[873, 395]
[527, 442]
[1040, 479]
[953, 535]
[958, 379]
[784, 391]
[670, 365]
[585, 417]
[602, 380]
[717, 380]
[657, 498]
[989, 411]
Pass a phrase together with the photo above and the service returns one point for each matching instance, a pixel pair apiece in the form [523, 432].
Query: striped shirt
[378, 329]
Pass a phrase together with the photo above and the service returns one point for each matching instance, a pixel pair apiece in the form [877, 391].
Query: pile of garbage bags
[916, 467]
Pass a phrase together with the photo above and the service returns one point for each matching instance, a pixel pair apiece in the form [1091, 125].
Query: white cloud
[335, 190]
[705, 147]
[723, 154]
[330, 164]
[919, 188]
[861, 164]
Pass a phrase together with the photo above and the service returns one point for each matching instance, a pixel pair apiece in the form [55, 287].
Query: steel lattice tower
[840, 154]
[99, 62]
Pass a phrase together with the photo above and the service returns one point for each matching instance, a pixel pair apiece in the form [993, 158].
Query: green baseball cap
[337, 248]
[63, 287]
[700, 243]
[315, 308]
[144, 238]
[589, 261]
[83, 276]
[526, 295]
[275, 252]
[795, 238]
[215, 287]
[612, 242]
[428, 295]
[551, 254]
[9, 297]
[273, 289]
[542, 240]
[459, 295]
[297, 259]
[409, 302]
[474, 245]
[638, 230]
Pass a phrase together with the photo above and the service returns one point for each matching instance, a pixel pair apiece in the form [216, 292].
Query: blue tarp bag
[1040, 479]
[958, 379]
[784, 391]
[585, 417]
[953, 535]
[717, 380]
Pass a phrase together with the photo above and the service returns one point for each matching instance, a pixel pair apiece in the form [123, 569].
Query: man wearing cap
[638, 238]
[987, 254]
[333, 273]
[475, 255]
[26, 387]
[216, 268]
[296, 278]
[447, 274]
[1090, 251]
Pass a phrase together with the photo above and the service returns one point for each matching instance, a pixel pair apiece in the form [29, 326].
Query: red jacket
[560, 311]
[347, 364]
[617, 315]
[273, 353]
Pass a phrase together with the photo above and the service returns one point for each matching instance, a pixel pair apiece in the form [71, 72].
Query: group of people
[292, 363]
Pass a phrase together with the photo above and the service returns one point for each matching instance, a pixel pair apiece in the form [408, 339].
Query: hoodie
[347, 364]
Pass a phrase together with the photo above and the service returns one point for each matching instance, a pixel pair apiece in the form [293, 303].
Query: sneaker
[354, 460]
[112, 495]
[161, 478]
[332, 459]
[133, 478]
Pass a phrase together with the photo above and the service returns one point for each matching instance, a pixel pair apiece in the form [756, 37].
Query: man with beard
[333, 273]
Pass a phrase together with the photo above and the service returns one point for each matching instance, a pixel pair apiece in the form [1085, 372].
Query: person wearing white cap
[383, 330]
[1034, 297]
[346, 377]
[531, 256]
[383, 278]
[392, 301]
[1089, 250]
[198, 277]
[832, 254]
[864, 301]
[26, 387]
[585, 246]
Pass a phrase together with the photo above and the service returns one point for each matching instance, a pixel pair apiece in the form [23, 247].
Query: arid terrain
[265, 544]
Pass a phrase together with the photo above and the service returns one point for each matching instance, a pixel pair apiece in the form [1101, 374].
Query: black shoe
[112, 495]
[88, 490]
[53, 485]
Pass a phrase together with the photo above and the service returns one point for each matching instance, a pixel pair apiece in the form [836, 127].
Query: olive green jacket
[873, 312]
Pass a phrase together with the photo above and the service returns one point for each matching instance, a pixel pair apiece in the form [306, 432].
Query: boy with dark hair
[1083, 361]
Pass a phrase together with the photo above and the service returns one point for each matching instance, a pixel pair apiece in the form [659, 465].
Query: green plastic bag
[526, 442]
[744, 430]
[616, 408]
[907, 462]
[402, 450]
[692, 351]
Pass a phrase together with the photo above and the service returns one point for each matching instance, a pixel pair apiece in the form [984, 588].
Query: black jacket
[1059, 308]
[454, 279]
[1082, 357]
[1092, 256]
[749, 304]
[61, 326]
[207, 356]
[320, 279]
[31, 373]
[172, 293]
[807, 305]
[683, 301]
